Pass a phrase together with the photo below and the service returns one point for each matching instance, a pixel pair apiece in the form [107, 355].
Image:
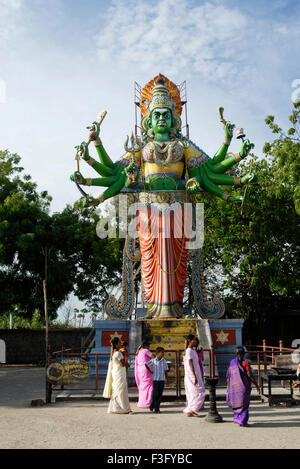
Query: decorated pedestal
[104, 332]
[226, 335]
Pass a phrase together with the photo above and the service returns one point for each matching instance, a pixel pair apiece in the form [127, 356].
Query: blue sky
[64, 61]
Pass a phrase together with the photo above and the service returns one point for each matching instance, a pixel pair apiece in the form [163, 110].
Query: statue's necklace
[159, 150]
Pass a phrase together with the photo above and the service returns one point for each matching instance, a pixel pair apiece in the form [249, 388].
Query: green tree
[285, 152]
[77, 260]
[258, 253]
[97, 262]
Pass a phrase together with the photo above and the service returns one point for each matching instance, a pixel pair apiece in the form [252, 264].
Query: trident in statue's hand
[136, 144]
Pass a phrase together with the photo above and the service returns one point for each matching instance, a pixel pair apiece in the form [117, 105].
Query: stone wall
[27, 346]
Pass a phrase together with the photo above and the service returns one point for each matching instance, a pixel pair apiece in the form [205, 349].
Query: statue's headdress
[160, 93]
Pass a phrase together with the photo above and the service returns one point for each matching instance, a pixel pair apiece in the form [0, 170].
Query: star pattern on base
[115, 334]
[222, 337]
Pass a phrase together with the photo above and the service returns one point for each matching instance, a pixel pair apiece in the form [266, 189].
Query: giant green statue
[162, 166]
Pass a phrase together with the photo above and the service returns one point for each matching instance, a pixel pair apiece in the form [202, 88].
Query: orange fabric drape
[164, 257]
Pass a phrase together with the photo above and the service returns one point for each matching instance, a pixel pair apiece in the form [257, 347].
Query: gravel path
[86, 424]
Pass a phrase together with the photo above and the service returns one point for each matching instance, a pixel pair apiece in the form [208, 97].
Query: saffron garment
[163, 244]
[143, 378]
[195, 393]
[116, 386]
[238, 390]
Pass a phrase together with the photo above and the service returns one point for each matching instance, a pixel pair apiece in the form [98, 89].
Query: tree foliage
[258, 252]
[285, 152]
[78, 261]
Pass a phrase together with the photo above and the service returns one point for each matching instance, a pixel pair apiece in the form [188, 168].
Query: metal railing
[98, 363]
[261, 356]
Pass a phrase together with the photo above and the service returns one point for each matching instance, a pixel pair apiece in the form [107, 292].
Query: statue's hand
[132, 173]
[94, 131]
[228, 129]
[193, 186]
[235, 199]
[90, 201]
[78, 177]
[83, 150]
[249, 178]
[131, 168]
[246, 148]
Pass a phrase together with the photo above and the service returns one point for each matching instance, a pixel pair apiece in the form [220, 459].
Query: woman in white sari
[116, 382]
[193, 383]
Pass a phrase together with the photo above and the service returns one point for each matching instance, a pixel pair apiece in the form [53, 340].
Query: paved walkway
[86, 424]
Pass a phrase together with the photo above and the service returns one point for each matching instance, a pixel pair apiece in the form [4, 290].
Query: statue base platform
[224, 334]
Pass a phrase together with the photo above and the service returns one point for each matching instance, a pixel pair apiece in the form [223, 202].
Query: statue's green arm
[221, 153]
[227, 163]
[103, 156]
[120, 178]
[209, 185]
[226, 180]
[209, 176]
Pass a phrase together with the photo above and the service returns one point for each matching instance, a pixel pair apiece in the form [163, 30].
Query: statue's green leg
[103, 156]
[223, 166]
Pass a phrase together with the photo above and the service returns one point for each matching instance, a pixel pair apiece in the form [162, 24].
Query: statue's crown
[160, 97]
[160, 92]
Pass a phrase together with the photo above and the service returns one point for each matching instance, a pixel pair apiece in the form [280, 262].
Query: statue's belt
[157, 197]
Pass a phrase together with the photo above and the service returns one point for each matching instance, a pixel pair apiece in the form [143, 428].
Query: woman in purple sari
[239, 378]
[143, 378]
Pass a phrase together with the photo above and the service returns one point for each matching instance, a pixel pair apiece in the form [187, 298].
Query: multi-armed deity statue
[163, 171]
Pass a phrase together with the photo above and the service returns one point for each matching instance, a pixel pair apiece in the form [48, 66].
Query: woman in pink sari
[143, 378]
[193, 383]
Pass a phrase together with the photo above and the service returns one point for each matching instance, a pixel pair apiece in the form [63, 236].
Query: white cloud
[172, 35]
[9, 10]
[14, 4]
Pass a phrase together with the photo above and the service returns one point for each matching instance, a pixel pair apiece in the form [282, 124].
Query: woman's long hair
[240, 352]
[114, 342]
[189, 339]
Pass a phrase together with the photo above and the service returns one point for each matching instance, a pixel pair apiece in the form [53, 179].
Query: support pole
[48, 385]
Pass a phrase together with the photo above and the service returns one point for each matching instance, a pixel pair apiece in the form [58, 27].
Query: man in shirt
[160, 374]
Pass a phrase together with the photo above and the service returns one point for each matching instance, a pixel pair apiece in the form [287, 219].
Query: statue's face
[161, 120]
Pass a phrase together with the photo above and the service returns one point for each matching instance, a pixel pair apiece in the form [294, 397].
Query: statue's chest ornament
[163, 153]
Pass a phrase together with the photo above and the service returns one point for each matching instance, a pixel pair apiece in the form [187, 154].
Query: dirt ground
[85, 424]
